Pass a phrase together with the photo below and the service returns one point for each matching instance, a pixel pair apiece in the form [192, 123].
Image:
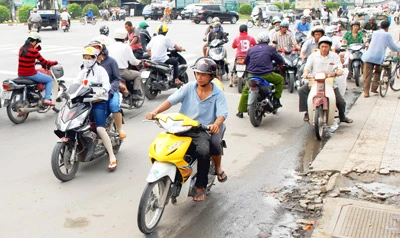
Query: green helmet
[143, 25]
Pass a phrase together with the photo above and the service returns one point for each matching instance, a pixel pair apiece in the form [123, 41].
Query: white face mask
[88, 63]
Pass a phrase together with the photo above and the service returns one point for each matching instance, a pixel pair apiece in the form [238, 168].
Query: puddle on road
[78, 222]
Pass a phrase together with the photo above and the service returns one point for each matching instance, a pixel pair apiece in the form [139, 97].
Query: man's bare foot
[199, 194]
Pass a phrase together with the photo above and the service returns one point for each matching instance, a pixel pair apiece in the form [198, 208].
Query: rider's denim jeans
[113, 103]
[100, 113]
[43, 78]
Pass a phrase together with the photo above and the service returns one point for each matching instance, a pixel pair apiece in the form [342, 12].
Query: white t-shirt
[306, 12]
[158, 47]
[65, 16]
[122, 53]
[97, 75]
[324, 14]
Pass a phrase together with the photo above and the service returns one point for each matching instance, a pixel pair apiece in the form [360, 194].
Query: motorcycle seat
[24, 81]
[162, 64]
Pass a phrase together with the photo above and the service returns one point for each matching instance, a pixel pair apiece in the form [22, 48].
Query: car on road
[206, 12]
[146, 12]
[187, 11]
[153, 11]
[269, 11]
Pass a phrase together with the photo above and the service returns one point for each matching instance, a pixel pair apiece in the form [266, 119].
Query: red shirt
[242, 43]
[131, 36]
[26, 62]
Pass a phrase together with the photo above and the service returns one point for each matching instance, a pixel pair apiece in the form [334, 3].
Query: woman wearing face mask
[92, 73]
[28, 55]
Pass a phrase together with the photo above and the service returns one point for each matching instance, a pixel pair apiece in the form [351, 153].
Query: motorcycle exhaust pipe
[28, 110]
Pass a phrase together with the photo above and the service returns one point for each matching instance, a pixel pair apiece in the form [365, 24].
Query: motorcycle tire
[291, 83]
[250, 24]
[63, 149]
[241, 83]
[255, 113]
[15, 103]
[265, 24]
[138, 103]
[319, 122]
[357, 75]
[384, 82]
[149, 203]
[112, 131]
[150, 92]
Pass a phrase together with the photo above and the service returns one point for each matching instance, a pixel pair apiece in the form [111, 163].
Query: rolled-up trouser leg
[133, 76]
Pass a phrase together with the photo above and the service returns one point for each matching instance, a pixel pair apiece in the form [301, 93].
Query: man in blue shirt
[374, 57]
[259, 63]
[89, 14]
[205, 102]
[303, 26]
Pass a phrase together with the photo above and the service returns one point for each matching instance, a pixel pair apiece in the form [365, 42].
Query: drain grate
[361, 222]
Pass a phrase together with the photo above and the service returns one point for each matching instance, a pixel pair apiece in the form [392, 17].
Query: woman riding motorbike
[28, 55]
[92, 73]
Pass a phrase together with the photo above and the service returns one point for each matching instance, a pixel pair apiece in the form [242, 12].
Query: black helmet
[205, 65]
[243, 28]
[355, 22]
[104, 30]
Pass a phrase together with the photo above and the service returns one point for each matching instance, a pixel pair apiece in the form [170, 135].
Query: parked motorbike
[239, 73]
[158, 77]
[261, 99]
[321, 102]
[289, 69]
[355, 52]
[253, 21]
[76, 129]
[173, 173]
[121, 15]
[217, 52]
[64, 25]
[23, 96]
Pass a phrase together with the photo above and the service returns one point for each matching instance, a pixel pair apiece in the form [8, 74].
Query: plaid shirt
[284, 40]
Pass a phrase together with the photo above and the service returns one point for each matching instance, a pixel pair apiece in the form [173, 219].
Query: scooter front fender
[310, 103]
[160, 170]
[330, 94]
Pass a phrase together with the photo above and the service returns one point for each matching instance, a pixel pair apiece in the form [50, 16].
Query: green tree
[4, 14]
[112, 3]
[94, 8]
[23, 13]
[75, 10]
[245, 9]
[145, 2]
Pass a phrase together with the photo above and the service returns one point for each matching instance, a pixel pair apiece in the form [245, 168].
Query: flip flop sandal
[220, 179]
[306, 117]
[196, 194]
[347, 120]
[112, 166]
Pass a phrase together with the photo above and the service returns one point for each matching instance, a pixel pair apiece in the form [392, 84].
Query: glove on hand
[100, 92]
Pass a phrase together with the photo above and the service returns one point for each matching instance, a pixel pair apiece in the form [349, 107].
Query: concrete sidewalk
[370, 145]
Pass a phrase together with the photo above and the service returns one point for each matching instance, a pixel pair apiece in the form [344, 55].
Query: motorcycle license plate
[240, 67]
[145, 74]
[6, 95]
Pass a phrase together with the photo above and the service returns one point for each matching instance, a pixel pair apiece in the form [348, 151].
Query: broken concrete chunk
[384, 171]
[331, 183]
[333, 195]
[344, 190]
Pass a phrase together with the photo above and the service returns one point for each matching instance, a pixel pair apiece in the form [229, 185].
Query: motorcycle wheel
[150, 211]
[357, 75]
[240, 84]
[255, 113]
[139, 102]
[291, 83]
[112, 131]
[185, 78]
[384, 82]
[319, 120]
[16, 102]
[94, 22]
[61, 157]
[150, 92]
[250, 24]
[264, 24]
[395, 80]
[211, 176]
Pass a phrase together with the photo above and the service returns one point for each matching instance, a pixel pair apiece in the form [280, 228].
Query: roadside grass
[245, 17]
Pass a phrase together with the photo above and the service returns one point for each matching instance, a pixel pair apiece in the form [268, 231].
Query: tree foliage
[95, 9]
[75, 10]
[245, 9]
[4, 14]
[332, 5]
[112, 3]
[23, 13]
[145, 2]
[286, 5]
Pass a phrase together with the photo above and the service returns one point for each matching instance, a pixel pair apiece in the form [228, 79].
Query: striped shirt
[26, 62]
[284, 40]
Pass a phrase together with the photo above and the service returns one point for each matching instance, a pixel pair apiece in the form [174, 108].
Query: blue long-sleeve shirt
[377, 48]
[111, 66]
[204, 111]
[303, 27]
[259, 59]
